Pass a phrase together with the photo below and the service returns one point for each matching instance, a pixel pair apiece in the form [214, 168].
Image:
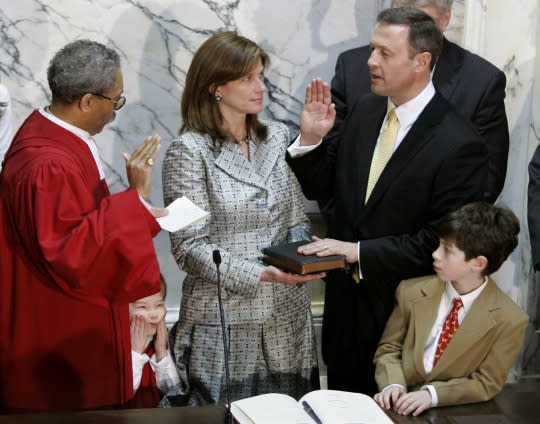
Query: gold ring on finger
[150, 161]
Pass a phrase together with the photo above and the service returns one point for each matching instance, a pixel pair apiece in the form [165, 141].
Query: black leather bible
[286, 257]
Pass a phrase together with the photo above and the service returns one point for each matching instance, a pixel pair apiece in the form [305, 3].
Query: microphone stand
[216, 256]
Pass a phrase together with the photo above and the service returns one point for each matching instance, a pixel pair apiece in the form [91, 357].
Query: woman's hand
[271, 273]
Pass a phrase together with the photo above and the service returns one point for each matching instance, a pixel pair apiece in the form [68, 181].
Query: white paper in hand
[182, 213]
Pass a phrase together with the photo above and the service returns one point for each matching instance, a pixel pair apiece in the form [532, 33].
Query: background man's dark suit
[473, 85]
[533, 207]
[440, 165]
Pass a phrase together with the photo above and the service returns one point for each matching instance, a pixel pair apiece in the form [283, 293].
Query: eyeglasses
[121, 101]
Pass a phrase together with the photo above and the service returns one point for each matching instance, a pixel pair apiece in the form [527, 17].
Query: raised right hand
[271, 273]
[139, 170]
[318, 114]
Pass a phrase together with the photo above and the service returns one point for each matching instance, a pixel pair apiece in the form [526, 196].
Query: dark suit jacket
[440, 165]
[473, 85]
[474, 366]
[533, 207]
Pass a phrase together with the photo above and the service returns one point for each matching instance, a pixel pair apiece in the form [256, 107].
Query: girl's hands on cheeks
[137, 330]
[161, 340]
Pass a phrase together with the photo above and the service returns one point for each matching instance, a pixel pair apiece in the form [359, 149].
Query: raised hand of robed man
[139, 169]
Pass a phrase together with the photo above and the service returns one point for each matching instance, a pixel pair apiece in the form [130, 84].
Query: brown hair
[424, 34]
[163, 286]
[224, 57]
[481, 229]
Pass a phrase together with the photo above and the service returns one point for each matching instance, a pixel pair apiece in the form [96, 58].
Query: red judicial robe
[71, 259]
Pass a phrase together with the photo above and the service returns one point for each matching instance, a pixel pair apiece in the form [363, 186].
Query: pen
[311, 412]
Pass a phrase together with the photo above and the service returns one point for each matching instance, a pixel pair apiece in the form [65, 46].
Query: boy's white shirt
[165, 370]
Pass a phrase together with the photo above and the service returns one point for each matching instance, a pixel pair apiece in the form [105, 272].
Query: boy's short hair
[482, 229]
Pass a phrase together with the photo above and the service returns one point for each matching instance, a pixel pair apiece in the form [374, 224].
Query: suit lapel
[263, 157]
[446, 73]
[425, 312]
[477, 323]
[420, 133]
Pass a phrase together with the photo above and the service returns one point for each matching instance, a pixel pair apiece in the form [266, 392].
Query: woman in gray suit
[233, 165]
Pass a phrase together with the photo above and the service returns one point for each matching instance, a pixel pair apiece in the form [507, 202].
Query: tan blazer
[475, 364]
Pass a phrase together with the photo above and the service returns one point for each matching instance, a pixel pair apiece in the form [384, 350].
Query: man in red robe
[72, 256]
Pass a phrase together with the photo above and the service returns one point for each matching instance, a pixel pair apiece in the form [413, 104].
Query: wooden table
[519, 403]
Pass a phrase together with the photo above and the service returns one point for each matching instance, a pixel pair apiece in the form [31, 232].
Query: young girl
[153, 368]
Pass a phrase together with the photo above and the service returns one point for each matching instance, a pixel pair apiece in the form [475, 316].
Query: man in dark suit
[386, 228]
[473, 85]
[533, 207]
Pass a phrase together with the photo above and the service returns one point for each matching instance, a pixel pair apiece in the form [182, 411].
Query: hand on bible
[139, 165]
[271, 273]
[161, 340]
[327, 247]
[414, 402]
[318, 114]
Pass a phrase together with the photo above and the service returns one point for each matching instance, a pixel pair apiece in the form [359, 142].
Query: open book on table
[328, 407]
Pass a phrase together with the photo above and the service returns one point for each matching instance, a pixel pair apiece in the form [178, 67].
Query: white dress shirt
[407, 114]
[82, 134]
[165, 370]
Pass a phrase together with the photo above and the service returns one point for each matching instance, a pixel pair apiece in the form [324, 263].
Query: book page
[182, 213]
[336, 407]
[270, 408]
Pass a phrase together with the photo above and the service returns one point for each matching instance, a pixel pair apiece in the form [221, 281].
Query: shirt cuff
[165, 371]
[145, 203]
[434, 398]
[297, 150]
[360, 276]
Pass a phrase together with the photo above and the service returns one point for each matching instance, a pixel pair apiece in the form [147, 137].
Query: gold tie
[383, 151]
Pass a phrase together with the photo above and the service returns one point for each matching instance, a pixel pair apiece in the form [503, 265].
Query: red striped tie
[450, 326]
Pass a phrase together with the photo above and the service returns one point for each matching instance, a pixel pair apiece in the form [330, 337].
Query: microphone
[216, 256]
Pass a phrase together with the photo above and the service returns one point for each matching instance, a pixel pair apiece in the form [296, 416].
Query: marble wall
[157, 38]
[507, 36]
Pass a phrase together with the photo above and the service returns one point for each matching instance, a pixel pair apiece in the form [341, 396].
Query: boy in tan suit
[453, 337]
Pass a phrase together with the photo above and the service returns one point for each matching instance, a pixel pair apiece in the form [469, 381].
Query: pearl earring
[218, 98]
